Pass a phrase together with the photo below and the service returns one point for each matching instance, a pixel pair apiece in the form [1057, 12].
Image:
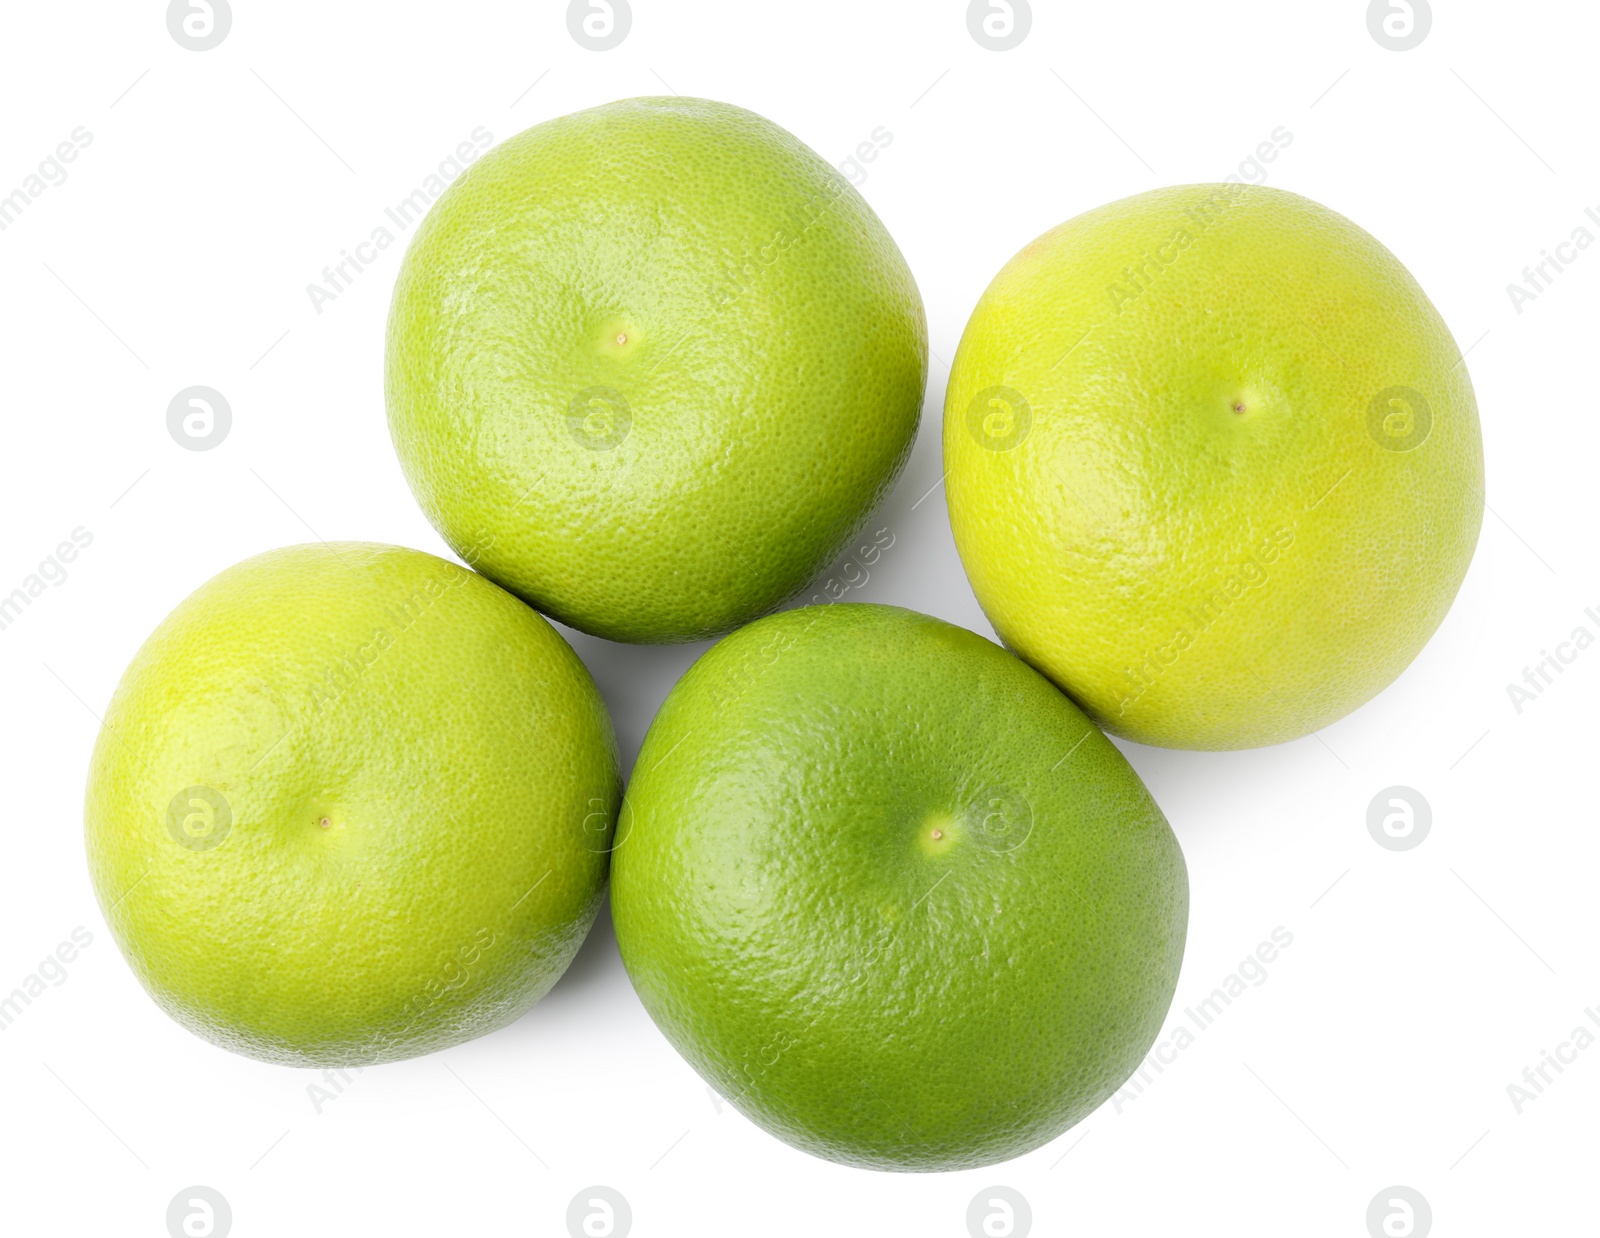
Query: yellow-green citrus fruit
[351, 803]
[650, 366]
[891, 893]
[1213, 463]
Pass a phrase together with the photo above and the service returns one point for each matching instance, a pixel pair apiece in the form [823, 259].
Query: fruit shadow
[634, 680]
[596, 967]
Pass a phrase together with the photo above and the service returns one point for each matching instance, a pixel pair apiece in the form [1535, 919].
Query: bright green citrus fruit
[650, 366]
[351, 803]
[891, 893]
[1213, 464]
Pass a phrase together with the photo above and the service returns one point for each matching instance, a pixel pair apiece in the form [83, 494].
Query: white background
[1419, 984]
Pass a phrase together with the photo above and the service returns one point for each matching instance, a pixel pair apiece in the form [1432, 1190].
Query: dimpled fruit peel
[652, 365]
[351, 803]
[1214, 464]
[891, 893]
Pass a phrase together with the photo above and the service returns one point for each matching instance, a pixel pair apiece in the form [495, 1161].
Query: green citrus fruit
[1213, 464]
[650, 366]
[891, 893]
[351, 803]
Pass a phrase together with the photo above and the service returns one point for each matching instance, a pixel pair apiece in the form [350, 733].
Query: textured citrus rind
[1213, 464]
[892, 894]
[351, 803]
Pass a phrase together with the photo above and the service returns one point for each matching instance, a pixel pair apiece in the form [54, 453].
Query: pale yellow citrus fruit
[351, 803]
[1214, 464]
[650, 366]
